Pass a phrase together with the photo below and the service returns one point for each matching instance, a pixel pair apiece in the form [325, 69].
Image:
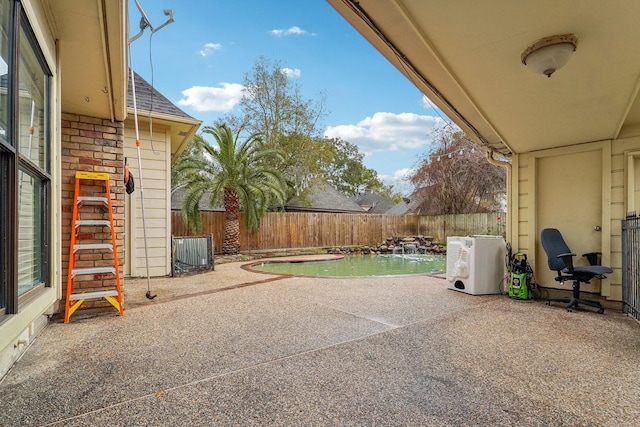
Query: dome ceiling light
[549, 54]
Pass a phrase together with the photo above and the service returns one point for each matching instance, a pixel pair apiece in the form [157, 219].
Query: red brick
[107, 129]
[91, 134]
[82, 139]
[87, 161]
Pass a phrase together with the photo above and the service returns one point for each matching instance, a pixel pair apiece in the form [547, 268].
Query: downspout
[108, 89]
[507, 166]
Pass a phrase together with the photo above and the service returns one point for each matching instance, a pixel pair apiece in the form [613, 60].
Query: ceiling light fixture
[549, 54]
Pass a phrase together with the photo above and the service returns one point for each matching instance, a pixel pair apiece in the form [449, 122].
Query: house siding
[156, 175]
[623, 175]
[618, 174]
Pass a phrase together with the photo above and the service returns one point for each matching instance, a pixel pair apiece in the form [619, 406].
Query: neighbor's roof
[399, 208]
[372, 201]
[324, 198]
[178, 196]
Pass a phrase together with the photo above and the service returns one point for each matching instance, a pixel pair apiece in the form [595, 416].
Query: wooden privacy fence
[280, 230]
[442, 226]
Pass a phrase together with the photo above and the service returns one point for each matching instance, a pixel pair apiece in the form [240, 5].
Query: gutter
[180, 120]
[358, 10]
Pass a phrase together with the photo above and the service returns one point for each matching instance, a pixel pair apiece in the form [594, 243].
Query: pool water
[359, 265]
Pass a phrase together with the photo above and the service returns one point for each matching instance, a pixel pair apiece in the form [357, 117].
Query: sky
[200, 60]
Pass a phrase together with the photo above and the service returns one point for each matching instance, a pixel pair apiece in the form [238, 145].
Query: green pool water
[360, 265]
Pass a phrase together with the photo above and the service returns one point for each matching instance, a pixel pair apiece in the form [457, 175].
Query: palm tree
[241, 173]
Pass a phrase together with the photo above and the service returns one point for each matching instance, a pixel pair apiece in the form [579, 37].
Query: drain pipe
[507, 165]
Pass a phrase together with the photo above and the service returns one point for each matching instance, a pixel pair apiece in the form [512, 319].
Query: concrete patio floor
[233, 347]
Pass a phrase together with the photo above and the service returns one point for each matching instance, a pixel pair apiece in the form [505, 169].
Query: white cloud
[403, 174]
[209, 48]
[205, 98]
[293, 73]
[387, 132]
[295, 30]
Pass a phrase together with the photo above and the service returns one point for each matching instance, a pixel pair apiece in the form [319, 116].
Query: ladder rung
[81, 222]
[88, 246]
[102, 176]
[92, 270]
[96, 294]
[92, 200]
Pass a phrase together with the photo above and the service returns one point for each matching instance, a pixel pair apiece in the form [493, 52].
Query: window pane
[30, 235]
[4, 71]
[31, 105]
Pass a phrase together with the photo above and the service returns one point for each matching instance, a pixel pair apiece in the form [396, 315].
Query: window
[25, 161]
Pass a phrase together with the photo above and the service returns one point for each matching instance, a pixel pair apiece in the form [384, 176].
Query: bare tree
[456, 177]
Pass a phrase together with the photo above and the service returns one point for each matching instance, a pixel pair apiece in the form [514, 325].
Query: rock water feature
[398, 246]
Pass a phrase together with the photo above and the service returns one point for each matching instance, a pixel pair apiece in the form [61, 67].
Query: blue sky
[200, 60]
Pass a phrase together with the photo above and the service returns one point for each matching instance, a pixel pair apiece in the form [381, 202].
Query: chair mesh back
[554, 245]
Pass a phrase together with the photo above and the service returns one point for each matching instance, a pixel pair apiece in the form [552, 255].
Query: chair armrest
[593, 257]
[567, 259]
[566, 255]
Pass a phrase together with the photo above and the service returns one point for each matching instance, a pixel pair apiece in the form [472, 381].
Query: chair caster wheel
[600, 310]
[569, 310]
[548, 303]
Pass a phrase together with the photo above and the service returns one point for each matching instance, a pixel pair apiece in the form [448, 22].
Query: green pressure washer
[520, 275]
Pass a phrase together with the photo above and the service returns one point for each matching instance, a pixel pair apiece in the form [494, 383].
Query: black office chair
[560, 260]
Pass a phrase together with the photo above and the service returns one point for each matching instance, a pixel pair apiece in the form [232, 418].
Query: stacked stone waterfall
[397, 245]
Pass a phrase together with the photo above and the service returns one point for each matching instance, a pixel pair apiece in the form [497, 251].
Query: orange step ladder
[113, 296]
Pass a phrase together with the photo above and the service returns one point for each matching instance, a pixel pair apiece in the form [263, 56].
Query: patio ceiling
[91, 35]
[465, 56]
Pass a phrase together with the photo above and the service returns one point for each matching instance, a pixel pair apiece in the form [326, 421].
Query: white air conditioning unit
[476, 264]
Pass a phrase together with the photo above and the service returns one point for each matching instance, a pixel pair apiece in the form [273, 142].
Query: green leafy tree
[346, 172]
[273, 105]
[240, 173]
[456, 177]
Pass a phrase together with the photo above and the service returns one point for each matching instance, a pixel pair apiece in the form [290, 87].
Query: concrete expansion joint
[207, 292]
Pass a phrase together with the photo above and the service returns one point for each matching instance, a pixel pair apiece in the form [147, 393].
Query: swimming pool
[358, 265]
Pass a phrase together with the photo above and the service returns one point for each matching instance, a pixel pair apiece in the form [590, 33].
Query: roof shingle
[149, 99]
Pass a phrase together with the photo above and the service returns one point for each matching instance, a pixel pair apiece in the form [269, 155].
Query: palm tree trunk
[231, 242]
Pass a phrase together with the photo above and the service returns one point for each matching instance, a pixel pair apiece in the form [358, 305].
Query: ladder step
[92, 200]
[87, 246]
[102, 176]
[92, 270]
[81, 222]
[96, 294]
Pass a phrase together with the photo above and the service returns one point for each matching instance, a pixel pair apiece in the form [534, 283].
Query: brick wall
[95, 145]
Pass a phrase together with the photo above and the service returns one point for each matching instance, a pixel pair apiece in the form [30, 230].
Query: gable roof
[149, 99]
[382, 206]
[399, 208]
[177, 198]
[371, 202]
[151, 104]
[324, 198]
